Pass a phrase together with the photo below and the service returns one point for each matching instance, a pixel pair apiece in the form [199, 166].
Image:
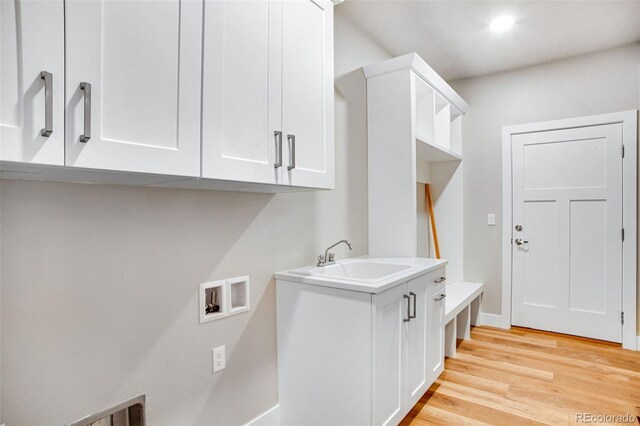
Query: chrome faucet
[329, 258]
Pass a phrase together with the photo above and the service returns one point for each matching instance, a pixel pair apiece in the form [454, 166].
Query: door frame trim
[629, 120]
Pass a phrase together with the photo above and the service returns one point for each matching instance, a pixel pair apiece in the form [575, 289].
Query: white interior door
[567, 256]
[142, 60]
[242, 92]
[32, 41]
[307, 92]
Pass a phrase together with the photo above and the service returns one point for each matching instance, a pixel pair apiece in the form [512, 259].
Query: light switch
[491, 219]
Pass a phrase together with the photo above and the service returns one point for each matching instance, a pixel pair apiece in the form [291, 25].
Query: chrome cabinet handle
[408, 318]
[292, 152]
[414, 305]
[520, 241]
[48, 103]
[442, 296]
[86, 87]
[278, 137]
[440, 280]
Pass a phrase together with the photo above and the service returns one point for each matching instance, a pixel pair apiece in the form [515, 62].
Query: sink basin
[365, 274]
[358, 270]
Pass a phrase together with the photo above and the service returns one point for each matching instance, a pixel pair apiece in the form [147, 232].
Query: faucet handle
[321, 260]
[332, 257]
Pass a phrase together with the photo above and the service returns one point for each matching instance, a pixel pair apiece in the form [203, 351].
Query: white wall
[603, 82]
[99, 283]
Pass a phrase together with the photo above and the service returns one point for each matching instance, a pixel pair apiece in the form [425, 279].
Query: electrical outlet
[491, 219]
[219, 359]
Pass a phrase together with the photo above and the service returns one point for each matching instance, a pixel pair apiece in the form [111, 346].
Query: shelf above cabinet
[431, 153]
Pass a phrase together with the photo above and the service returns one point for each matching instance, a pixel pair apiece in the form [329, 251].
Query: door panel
[389, 355]
[567, 195]
[307, 91]
[31, 41]
[588, 256]
[554, 165]
[242, 93]
[418, 374]
[540, 284]
[142, 60]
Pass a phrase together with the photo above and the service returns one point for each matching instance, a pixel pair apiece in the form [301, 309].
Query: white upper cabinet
[241, 105]
[133, 85]
[32, 81]
[203, 93]
[268, 92]
[307, 92]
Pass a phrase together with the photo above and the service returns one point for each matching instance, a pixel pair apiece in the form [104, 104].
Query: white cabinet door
[389, 357]
[242, 91]
[32, 41]
[418, 375]
[307, 92]
[435, 332]
[142, 60]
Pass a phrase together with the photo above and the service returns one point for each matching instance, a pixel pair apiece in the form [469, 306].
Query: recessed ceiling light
[501, 23]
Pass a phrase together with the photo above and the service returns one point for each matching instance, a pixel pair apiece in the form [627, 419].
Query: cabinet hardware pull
[292, 152]
[440, 280]
[48, 103]
[278, 136]
[414, 305]
[442, 296]
[408, 318]
[86, 87]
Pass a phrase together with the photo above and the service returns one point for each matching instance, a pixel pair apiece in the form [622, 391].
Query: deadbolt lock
[518, 228]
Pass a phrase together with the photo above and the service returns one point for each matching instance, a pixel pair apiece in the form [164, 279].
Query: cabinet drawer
[437, 279]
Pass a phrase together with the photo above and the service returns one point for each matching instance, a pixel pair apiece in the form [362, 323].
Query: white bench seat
[462, 310]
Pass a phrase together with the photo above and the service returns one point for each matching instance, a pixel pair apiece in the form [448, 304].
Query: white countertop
[416, 266]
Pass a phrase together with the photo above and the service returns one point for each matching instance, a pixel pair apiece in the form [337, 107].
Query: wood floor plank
[522, 376]
[476, 382]
[551, 356]
[529, 410]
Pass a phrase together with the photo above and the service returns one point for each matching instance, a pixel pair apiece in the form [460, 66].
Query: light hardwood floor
[524, 377]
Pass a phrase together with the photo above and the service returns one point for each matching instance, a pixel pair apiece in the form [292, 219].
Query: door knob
[520, 241]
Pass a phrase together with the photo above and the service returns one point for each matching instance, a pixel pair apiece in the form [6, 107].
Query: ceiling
[454, 36]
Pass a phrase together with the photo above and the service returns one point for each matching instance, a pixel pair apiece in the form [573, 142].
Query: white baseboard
[492, 320]
[271, 417]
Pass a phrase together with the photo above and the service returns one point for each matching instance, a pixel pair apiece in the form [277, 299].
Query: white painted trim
[271, 417]
[414, 62]
[630, 225]
[507, 226]
[629, 120]
[492, 320]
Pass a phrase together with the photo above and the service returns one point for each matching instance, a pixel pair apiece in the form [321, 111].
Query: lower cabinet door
[389, 357]
[418, 374]
[435, 333]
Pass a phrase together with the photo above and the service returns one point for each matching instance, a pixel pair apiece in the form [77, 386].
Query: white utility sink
[359, 270]
[367, 274]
